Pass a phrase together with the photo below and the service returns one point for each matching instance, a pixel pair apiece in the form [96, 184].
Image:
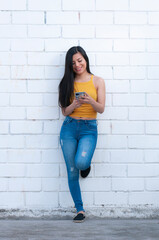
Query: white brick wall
[121, 38]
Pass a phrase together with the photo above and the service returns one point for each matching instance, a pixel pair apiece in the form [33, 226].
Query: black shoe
[79, 218]
[84, 173]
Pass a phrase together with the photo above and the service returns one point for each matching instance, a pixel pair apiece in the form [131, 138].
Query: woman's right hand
[76, 103]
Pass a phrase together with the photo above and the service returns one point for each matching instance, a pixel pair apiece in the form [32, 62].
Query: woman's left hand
[86, 99]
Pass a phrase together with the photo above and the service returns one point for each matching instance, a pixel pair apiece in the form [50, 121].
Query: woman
[78, 134]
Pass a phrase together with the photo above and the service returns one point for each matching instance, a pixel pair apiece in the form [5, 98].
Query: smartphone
[79, 94]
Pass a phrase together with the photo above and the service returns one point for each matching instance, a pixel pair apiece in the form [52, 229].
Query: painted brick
[4, 72]
[18, 199]
[42, 113]
[41, 199]
[145, 86]
[96, 184]
[12, 113]
[27, 45]
[109, 141]
[13, 31]
[80, 31]
[96, 18]
[31, 72]
[47, 141]
[59, 44]
[84, 5]
[151, 155]
[28, 17]
[153, 18]
[24, 156]
[144, 198]
[127, 184]
[112, 5]
[42, 170]
[26, 127]
[104, 127]
[44, 59]
[143, 142]
[152, 99]
[9, 170]
[62, 18]
[96, 45]
[4, 45]
[127, 156]
[51, 127]
[151, 184]
[153, 73]
[144, 59]
[138, 170]
[44, 31]
[50, 184]
[4, 99]
[4, 156]
[110, 170]
[144, 113]
[152, 45]
[111, 198]
[128, 100]
[10, 5]
[112, 59]
[114, 113]
[130, 18]
[13, 58]
[52, 156]
[43, 86]
[144, 5]
[117, 86]
[54, 72]
[5, 17]
[44, 5]
[129, 45]
[152, 128]
[145, 31]
[21, 99]
[112, 31]
[3, 185]
[125, 72]
[12, 86]
[24, 185]
[4, 127]
[125, 127]
[101, 155]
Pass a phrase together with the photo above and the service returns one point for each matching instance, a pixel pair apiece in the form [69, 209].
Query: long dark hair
[66, 86]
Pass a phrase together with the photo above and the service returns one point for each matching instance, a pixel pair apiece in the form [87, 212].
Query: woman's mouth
[78, 69]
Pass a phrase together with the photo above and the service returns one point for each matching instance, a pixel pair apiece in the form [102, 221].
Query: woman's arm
[98, 106]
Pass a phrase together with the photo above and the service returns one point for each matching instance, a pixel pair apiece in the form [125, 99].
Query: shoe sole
[78, 221]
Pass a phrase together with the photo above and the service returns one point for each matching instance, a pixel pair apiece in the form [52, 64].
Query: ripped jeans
[78, 140]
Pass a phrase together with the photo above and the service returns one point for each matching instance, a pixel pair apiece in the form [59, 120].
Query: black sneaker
[79, 218]
[84, 173]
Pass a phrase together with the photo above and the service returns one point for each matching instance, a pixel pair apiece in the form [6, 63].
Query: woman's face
[79, 63]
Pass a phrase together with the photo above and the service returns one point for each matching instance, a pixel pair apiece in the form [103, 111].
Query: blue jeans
[78, 140]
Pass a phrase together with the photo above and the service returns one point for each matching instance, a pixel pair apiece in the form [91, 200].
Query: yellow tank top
[85, 110]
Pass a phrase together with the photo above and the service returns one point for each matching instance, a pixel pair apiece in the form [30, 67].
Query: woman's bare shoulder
[98, 80]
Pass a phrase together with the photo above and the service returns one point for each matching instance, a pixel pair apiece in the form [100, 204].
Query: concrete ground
[101, 229]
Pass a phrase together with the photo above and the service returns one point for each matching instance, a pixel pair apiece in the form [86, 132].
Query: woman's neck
[83, 77]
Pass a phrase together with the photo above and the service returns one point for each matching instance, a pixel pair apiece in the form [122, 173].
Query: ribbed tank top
[85, 110]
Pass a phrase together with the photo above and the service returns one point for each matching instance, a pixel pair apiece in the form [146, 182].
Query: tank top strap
[92, 77]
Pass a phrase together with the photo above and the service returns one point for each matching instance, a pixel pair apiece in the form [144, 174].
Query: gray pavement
[107, 229]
